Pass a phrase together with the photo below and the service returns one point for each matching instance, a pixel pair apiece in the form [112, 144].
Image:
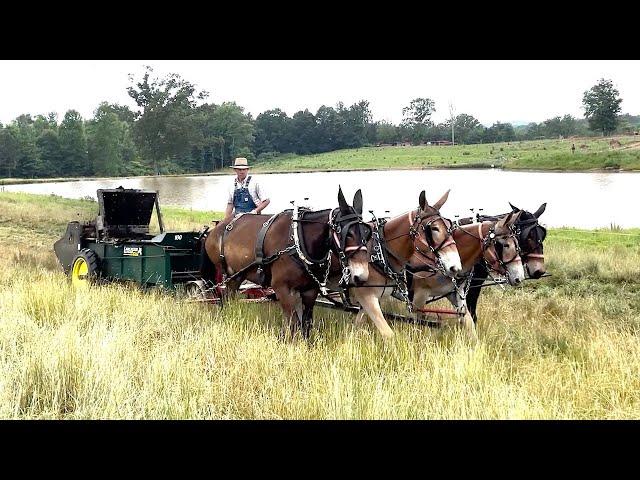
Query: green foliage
[50, 152]
[8, 152]
[602, 105]
[166, 126]
[73, 146]
[106, 152]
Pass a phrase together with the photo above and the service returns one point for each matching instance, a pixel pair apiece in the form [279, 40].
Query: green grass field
[563, 347]
[590, 154]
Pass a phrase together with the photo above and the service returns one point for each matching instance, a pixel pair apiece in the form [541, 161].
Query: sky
[507, 91]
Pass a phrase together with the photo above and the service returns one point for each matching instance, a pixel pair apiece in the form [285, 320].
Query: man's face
[241, 173]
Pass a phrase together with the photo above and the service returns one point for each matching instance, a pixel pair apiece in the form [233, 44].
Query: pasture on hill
[563, 347]
[590, 154]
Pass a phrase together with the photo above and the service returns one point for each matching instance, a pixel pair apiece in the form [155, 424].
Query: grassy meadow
[564, 347]
[590, 154]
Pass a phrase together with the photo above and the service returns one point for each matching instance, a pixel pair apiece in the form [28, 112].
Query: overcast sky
[506, 91]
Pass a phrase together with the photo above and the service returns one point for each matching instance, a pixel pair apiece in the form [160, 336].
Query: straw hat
[240, 162]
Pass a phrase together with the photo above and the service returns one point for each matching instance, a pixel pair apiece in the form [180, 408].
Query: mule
[291, 252]
[530, 237]
[492, 241]
[423, 233]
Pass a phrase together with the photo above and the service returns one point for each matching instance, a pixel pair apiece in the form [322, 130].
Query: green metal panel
[165, 260]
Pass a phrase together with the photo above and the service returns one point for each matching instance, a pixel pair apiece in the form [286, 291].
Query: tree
[271, 132]
[167, 125]
[124, 113]
[8, 153]
[73, 145]
[28, 163]
[417, 119]
[105, 143]
[330, 126]
[419, 111]
[355, 120]
[50, 153]
[464, 126]
[499, 132]
[602, 105]
[386, 132]
[302, 132]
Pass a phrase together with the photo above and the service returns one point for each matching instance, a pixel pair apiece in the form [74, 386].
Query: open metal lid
[126, 211]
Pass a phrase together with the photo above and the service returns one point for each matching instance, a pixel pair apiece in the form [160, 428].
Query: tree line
[174, 130]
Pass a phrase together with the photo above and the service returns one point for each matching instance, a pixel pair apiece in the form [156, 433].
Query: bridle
[524, 229]
[498, 257]
[341, 224]
[418, 223]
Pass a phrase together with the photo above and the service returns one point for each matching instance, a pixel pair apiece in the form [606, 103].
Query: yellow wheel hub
[79, 273]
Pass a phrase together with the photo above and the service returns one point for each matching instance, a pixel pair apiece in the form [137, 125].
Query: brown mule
[494, 241]
[422, 233]
[291, 252]
[531, 236]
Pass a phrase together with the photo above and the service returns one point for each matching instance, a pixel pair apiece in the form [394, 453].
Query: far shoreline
[23, 181]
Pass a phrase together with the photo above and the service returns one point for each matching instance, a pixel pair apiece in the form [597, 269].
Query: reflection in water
[585, 200]
[603, 179]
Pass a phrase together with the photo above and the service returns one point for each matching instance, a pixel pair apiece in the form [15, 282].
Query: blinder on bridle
[342, 223]
[524, 229]
[428, 234]
[491, 239]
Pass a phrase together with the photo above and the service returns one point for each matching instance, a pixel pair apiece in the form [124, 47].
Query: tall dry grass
[563, 347]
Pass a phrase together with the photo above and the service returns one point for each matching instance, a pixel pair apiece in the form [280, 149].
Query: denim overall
[242, 200]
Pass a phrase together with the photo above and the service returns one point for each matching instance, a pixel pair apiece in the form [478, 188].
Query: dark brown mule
[423, 233]
[493, 241]
[295, 247]
[530, 237]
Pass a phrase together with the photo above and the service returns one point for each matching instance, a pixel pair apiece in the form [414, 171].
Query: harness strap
[259, 251]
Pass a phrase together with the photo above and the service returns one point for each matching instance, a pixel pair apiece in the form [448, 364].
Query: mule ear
[342, 203]
[540, 211]
[501, 223]
[443, 199]
[422, 200]
[515, 209]
[357, 202]
[506, 220]
[513, 218]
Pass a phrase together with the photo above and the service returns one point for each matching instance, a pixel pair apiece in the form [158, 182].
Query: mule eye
[435, 229]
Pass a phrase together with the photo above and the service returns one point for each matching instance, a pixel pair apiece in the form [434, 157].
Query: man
[245, 195]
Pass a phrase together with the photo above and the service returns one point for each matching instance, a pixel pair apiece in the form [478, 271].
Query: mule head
[530, 237]
[502, 250]
[351, 235]
[437, 233]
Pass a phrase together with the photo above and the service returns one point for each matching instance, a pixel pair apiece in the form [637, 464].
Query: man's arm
[229, 211]
[260, 193]
[261, 206]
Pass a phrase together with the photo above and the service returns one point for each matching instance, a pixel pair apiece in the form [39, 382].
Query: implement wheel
[84, 268]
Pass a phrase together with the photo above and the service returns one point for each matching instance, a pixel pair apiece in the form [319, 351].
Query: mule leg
[480, 274]
[371, 304]
[290, 303]
[308, 302]
[466, 321]
[419, 301]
